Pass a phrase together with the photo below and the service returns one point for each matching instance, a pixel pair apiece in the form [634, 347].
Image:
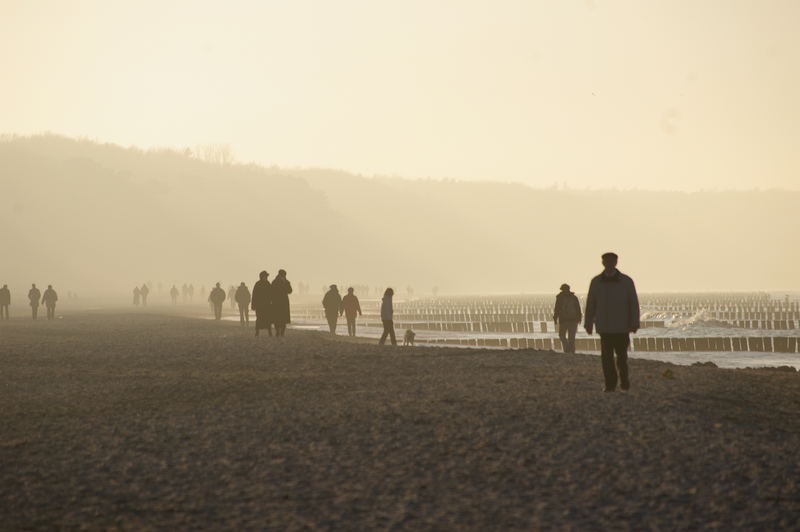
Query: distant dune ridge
[99, 217]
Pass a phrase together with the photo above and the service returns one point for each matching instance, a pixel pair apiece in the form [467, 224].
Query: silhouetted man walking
[350, 307]
[5, 301]
[281, 288]
[217, 298]
[49, 299]
[387, 317]
[262, 303]
[144, 291]
[567, 315]
[332, 303]
[137, 295]
[232, 296]
[613, 306]
[34, 295]
[242, 296]
[173, 293]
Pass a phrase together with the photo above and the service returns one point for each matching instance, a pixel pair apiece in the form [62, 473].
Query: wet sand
[144, 421]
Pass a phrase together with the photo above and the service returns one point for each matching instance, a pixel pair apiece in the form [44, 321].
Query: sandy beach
[147, 421]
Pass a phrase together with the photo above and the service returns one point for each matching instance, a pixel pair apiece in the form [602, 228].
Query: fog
[98, 219]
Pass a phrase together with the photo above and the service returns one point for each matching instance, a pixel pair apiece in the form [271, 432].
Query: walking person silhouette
[5, 301]
[232, 296]
[350, 307]
[281, 288]
[34, 295]
[173, 293]
[217, 298]
[261, 303]
[613, 307]
[243, 298]
[567, 315]
[387, 317]
[49, 299]
[332, 303]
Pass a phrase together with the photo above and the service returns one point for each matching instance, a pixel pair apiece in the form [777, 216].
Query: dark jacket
[50, 297]
[281, 288]
[387, 310]
[5, 296]
[612, 304]
[568, 308]
[332, 302]
[350, 306]
[262, 296]
[242, 295]
[34, 296]
[217, 295]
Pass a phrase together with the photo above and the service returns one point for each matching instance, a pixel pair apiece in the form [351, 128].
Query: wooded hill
[99, 218]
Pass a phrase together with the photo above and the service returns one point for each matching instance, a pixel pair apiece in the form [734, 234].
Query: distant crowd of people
[35, 298]
[612, 309]
[186, 292]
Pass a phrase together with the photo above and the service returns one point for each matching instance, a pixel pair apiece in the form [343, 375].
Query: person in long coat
[281, 288]
[261, 302]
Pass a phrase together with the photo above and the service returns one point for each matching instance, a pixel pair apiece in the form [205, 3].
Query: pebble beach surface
[136, 421]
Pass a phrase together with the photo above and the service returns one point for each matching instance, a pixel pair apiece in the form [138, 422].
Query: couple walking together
[271, 303]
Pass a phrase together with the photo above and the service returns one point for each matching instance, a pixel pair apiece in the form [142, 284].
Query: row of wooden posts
[775, 344]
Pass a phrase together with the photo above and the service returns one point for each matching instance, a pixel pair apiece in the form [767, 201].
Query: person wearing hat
[567, 315]
[332, 303]
[612, 306]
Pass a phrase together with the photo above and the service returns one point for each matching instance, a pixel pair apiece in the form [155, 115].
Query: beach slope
[146, 421]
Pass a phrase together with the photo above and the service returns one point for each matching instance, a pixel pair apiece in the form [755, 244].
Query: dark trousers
[280, 329]
[35, 311]
[388, 330]
[51, 312]
[351, 325]
[566, 331]
[3, 312]
[611, 344]
[332, 318]
[217, 311]
[244, 314]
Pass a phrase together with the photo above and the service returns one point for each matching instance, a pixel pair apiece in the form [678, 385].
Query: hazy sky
[675, 94]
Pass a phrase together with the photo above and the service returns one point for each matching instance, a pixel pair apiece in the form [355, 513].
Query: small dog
[408, 338]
